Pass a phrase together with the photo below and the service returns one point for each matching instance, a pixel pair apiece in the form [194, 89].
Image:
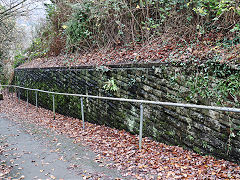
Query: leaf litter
[4, 169]
[154, 161]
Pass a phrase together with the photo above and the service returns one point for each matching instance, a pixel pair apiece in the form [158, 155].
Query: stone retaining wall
[204, 131]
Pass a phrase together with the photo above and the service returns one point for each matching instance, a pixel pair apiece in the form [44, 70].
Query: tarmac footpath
[36, 152]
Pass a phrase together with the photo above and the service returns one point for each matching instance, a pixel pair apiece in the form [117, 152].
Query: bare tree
[9, 34]
[11, 8]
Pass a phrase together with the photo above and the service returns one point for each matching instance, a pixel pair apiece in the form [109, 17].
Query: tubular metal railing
[141, 102]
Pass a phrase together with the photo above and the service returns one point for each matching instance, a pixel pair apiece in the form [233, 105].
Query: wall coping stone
[111, 66]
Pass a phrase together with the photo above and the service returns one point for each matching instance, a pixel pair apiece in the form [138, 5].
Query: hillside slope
[119, 31]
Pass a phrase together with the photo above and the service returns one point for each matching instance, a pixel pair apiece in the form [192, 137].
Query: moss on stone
[197, 150]
[164, 83]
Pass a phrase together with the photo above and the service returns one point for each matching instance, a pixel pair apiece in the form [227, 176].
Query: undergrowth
[77, 26]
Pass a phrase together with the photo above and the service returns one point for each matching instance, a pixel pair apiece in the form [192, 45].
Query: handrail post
[27, 101]
[1, 89]
[82, 112]
[18, 95]
[15, 91]
[53, 106]
[12, 93]
[36, 97]
[141, 126]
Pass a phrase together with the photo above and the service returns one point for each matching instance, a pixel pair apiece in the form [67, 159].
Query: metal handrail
[217, 108]
[141, 102]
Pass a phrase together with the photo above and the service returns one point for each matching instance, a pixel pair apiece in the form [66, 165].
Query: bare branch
[11, 9]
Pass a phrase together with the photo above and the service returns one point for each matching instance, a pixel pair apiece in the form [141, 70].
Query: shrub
[88, 24]
[101, 23]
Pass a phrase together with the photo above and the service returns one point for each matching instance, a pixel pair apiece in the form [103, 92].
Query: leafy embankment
[118, 31]
[154, 161]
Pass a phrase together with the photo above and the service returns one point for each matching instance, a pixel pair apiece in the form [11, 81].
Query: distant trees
[7, 38]
[9, 35]
[11, 9]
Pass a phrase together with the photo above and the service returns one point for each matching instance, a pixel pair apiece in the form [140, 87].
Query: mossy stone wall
[204, 131]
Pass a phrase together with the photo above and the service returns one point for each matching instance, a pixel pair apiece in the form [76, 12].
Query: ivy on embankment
[217, 81]
[210, 83]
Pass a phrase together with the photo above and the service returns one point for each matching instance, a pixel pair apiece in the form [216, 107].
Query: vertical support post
[15, 90]
[36, 96]
[82, 112]
[18, 95]
[141, 126]
[1, 90]
[27, 101]
[53, 106]
[12, 92]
